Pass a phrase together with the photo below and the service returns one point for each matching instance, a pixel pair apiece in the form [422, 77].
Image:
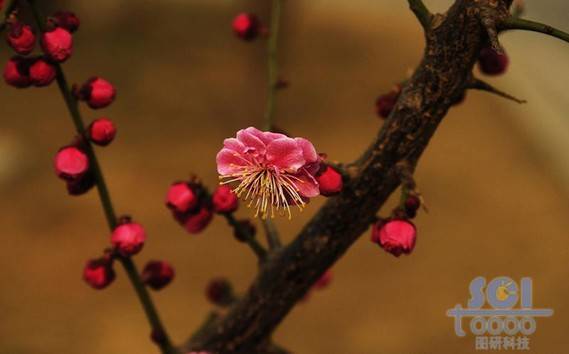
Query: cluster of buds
[127, 239]
[56, 43]
[73, 163]
[190, 204]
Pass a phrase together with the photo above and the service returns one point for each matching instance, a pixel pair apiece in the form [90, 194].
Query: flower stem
[249, 239]
[127, 263]
[272, 233]
[272, 46]
[272, 64]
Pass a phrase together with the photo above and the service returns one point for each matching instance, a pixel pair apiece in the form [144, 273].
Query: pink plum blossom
[272, 170]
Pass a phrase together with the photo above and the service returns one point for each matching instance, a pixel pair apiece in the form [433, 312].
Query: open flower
[273, 170]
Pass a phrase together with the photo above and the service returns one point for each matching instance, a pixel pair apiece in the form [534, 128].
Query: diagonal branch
[527, 25]
[477, 84]
[128, 264]
[451, 51]
[421, 12]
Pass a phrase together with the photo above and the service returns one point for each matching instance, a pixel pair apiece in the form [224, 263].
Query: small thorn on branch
[477, 84]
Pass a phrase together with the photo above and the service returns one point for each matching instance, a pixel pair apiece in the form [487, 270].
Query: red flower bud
[81, 185]
[324, 280]
[181, 198]
[42, 72]
[17, 72]
[157, 274]
[67, 20]
[102, 131]
[329, 181]
[244, 230]
[196, 223]
[21, 38]
[98, 273]
[219, 292]
[386, 102]
[395, 236]
[246, 26]
[157, 336]
[97, 92]
[71, 163]
[57, 44]
[224, 200]
[128, 238]
[412, 204]
[492, 63]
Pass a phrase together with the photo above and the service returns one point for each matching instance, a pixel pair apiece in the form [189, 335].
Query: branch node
[489, 24]
[421, 12]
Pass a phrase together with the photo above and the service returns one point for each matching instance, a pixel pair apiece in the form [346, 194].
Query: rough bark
[453, 41]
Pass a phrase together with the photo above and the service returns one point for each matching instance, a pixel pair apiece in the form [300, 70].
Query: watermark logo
[501, 314]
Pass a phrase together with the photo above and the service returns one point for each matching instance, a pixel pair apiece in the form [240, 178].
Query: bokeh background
[495, 176]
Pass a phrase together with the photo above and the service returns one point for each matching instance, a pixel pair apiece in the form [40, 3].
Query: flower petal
[234, 144]
[266, 137]
[251, 142]
[308, 150]
[306, 185]
[230, 162]
[285, 154]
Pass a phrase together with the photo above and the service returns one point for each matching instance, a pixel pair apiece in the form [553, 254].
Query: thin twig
[421, 12]
[127, 263]
[249, 238]
[527, 25]
[481, 85]
[10, 7]
[272, 64]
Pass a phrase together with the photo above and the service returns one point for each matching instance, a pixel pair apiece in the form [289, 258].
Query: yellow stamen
[266, 190]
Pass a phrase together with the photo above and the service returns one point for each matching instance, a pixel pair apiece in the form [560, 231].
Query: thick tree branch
[452, 48]
[527, 25]
[477, 84]
[421, 12]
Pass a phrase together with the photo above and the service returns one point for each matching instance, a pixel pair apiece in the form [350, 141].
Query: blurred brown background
[495, 177]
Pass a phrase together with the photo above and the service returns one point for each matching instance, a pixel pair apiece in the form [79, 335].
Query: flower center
[267, 189]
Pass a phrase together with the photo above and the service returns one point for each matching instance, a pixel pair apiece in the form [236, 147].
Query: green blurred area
[497, 205]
